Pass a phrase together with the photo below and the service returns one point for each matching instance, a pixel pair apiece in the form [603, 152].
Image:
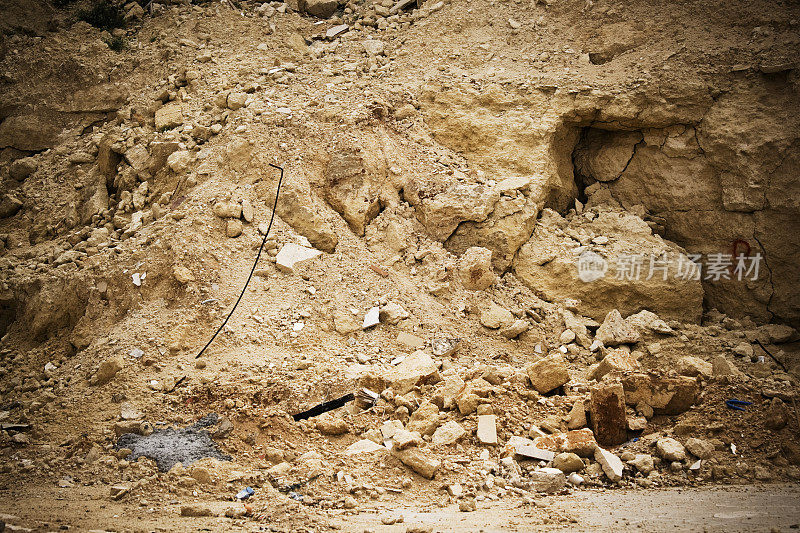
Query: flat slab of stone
[612, 465]
[532, 452]
[292, 255]
[364, 446]
[487, 429]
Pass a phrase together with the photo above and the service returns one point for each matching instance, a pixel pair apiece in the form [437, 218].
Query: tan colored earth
[541, 233]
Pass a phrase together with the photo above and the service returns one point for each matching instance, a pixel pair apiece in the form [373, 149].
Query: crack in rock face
[174, 445]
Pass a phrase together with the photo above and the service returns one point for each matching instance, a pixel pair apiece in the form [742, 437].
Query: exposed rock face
[704, 172]
[508, 227]
[29, 132]
[441, 212]
[298, 208]
[353, 178]
[553, 263]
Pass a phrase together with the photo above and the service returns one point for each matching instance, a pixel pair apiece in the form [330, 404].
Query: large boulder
[562, 260]
[320, 8]
[666, 395]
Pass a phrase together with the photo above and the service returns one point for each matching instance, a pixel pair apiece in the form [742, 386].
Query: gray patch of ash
[174, 445]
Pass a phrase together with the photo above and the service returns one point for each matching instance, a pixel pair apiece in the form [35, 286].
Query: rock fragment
[233, 228]
[576, 418]
[321, 8]
[579, 441]
[413, 370]
[643, 463]
[666, 395]
[196, 510]
[670, 449]
[568, 462]
[616, 360]
[494, 316]
[292, 255]
[107, 370]
[615, 331]
[487, 429]
[425, 419]
[475, 269]
[548, 373]
[607, 407]
[694, 366]
[22, 168]
[169, 116]
[419, 460]
[331, 425]
[448, 433]
[700, 448]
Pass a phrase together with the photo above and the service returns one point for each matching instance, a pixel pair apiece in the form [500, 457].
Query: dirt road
[733, 508]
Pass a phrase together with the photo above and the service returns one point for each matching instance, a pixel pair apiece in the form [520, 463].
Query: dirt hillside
[543, 243]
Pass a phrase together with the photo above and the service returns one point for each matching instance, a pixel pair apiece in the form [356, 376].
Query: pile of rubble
[446, 287]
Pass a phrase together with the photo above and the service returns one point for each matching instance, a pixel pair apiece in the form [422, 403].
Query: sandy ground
[733, 508]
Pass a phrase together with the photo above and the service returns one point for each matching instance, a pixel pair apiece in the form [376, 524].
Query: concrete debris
[371, 318]
[548, 480]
